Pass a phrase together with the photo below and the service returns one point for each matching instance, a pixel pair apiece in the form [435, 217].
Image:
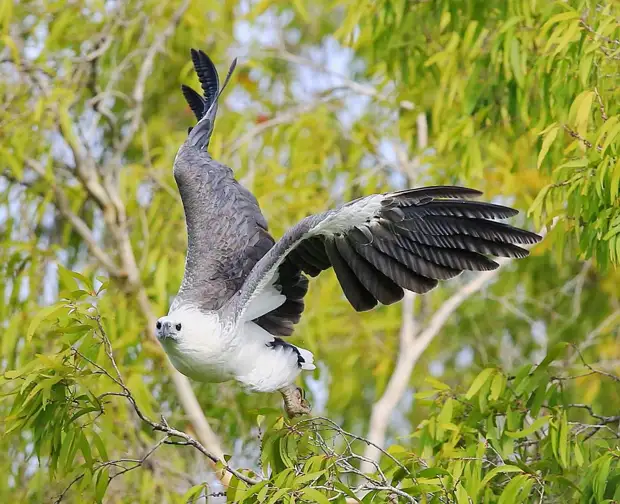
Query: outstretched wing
[227, 235]
[382, 244]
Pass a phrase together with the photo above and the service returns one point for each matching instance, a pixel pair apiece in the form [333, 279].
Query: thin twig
[601, 105]
[163, 425]
[597, 371]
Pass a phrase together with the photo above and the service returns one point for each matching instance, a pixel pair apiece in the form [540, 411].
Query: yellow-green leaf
[479, 381]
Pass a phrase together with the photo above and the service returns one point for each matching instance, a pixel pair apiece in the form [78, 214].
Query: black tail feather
[194, 100]
[208, 77]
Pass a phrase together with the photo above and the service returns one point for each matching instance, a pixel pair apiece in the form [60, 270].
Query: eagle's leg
[295, 403]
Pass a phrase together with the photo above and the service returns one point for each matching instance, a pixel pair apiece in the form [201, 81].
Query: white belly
[210, 350]
[198, 366]
[261, 368]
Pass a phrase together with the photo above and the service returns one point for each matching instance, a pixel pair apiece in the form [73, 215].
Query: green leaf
[578, 454]
[548, 139]
[301, 480]
[497, 386]
[345, 489]
[102, 484]
[563, 445]
[535, 425]
[479, 381]
[515, 62]
[503, 469]
[254, 489]
[100, 445]
[436, 384]
[517, 490]
[445, 415]
[278, 495]
[193, 492]
[68, 275]
[46, 313]
[314, 495]
[611, 136]
[583, 113]
[552, 354]
[84, 447]
[64, 462]
[600, 481]
[584, 68]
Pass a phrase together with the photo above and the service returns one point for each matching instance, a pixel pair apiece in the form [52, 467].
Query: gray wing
[227, 235]
[382, 244]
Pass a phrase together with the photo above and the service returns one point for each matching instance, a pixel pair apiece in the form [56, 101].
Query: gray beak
[166, 330]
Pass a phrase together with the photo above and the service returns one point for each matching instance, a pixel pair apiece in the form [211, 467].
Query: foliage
[539, 76]
[521, 101]
[506, 438]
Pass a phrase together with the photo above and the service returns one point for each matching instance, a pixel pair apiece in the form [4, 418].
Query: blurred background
[330, 101]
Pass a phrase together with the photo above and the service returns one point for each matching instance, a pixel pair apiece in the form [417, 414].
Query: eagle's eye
[158, 325]
[178, 326]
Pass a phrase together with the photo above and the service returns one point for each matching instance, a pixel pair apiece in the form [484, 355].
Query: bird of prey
[243, 292]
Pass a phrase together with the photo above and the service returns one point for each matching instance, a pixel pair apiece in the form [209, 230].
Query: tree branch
[80, 227]
[143, 74]
[107, 195]
[161, 426]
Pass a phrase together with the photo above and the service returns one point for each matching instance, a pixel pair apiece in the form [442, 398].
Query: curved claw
[295, 403]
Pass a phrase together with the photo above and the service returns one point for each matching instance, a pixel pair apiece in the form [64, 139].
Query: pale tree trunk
[412, 345]
[102, 186]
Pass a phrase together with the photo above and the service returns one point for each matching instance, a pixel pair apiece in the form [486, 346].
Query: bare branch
[598, 35]
[597, 371]
[161, 426]
[608, 322]
[602, 418]
[80, 227]
[85, 167]
[601, 105]
[408, 357]
[143, 74]
[583, 140]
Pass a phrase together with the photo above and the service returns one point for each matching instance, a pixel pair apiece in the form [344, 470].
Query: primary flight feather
[242, 291]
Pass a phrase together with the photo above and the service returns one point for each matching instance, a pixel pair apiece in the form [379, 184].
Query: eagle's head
[169, 327]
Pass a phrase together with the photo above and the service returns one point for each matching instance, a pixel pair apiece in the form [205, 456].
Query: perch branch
[162, 425]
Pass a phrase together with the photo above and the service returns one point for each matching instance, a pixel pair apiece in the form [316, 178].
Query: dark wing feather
[359, 296]
[383, 244]
[227, 233]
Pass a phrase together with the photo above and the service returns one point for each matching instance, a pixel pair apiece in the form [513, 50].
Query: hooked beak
[166, 331]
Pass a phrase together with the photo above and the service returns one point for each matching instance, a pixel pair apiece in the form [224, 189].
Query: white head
[169, 326]
[180, 325]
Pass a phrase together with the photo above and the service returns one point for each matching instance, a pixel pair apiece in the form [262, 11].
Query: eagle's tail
[308, 359]
[205, 108]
